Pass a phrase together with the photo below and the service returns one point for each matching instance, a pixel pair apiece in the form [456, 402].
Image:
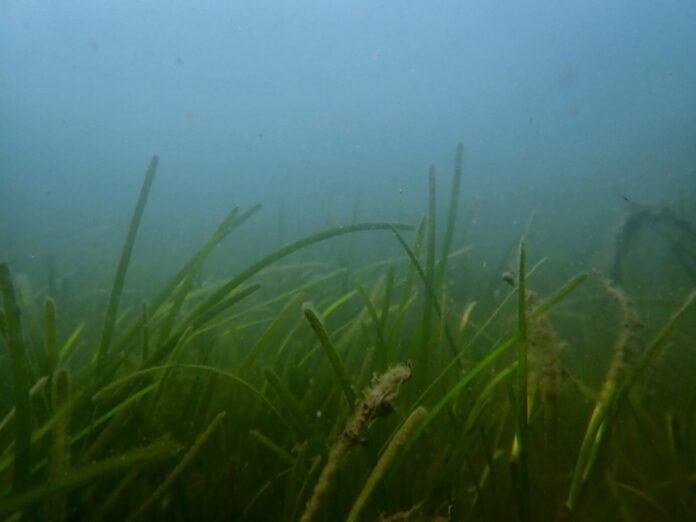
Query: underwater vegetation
[305, 391]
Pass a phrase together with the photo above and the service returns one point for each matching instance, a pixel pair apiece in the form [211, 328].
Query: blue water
[304, 105]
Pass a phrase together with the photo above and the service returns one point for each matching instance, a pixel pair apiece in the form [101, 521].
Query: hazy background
[302, 106]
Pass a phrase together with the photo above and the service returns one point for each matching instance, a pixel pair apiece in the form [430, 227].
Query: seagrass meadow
[310, 385]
